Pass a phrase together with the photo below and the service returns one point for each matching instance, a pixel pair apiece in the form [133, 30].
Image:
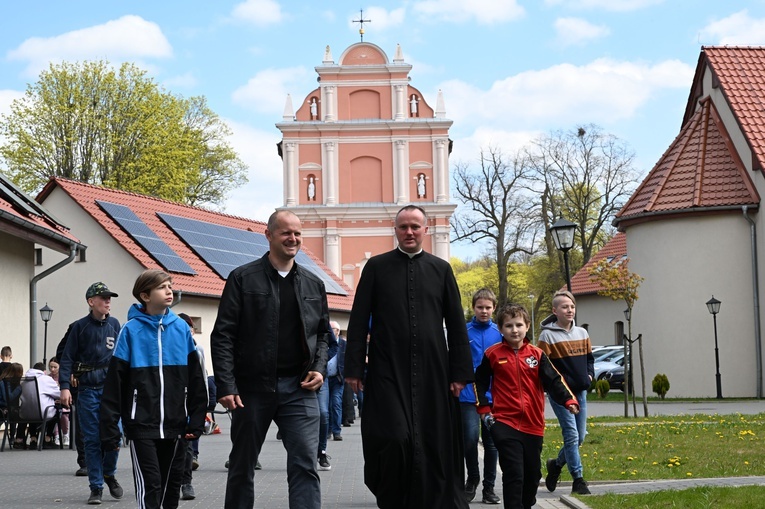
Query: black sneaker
[337, 438]
[258, 466]
[470, 488]
[580, 487]
[115, 490]
[187, 492]
[81, 472]
[489, 497]
[195, 462]
[553, 474]
[324, 461]
[95, 497]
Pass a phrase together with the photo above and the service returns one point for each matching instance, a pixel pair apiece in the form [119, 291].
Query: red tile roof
[616, 248]
[206, 282]
[740, 74]
[700, 170]
[22, 217]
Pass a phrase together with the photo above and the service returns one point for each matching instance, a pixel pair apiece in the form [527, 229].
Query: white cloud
[577, 31]
[381, 19]
[263, 193]
[258, 12]
[607, 5]
[485, 12]
[267, 91]
[6, 98]
[736, 29]
[127, 38]
[603, 91]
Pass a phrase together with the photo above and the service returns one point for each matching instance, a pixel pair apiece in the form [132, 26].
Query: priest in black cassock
[411, 428]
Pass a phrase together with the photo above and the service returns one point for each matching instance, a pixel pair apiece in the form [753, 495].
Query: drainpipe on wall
[33, 302]
[756, 290]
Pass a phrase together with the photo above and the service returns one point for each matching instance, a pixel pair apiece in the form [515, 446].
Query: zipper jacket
[91, 342]
[156, 381]
[518, 380]
[481, 336]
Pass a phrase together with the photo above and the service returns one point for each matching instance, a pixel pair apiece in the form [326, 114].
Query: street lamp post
[45, 313]
[563, 236]
[713, 305]
[531, 298]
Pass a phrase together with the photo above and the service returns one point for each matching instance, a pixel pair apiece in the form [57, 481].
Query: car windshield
[608, 354]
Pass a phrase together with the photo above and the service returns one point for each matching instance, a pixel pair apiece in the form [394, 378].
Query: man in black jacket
[269, 355]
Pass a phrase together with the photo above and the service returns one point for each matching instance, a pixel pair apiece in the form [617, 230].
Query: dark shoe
[194, 462]
[337, 438]
[258, 466]
[95, 497]
[489, 497]
[115, 490]
[470, 487]
[553, 474]
[81, 472]
[226, 465]
[279, 435]
[324, 461]
[580, 487]
[187, 492]
[50, 445]
[32, 445]
[346, 424]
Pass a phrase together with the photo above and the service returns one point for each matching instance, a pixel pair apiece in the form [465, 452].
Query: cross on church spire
[361, 22]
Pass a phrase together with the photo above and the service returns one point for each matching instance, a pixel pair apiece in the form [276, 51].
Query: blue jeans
[323, 396]
[471, 422]
[574, 429]
[336, 386]
[99, 463]
[296, 412]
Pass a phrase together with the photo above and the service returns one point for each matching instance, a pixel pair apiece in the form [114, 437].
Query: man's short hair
[512, 311]
[149, 280]
[563, 293]
[273, 219]
[6, 351]
[335, 325]
[413, 207]
[485, 293]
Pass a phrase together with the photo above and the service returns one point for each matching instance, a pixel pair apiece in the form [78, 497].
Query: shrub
[602, 387]
[661, 385]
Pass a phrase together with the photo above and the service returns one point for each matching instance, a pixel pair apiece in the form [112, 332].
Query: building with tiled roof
[693, 231]
[24, 225]
[127, 233]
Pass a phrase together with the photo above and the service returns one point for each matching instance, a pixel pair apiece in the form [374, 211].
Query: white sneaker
[66, 440]
[55, 440]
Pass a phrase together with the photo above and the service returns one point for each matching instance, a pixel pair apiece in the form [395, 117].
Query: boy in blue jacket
[156, 385]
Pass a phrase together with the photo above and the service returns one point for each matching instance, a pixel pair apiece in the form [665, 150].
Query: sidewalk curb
[573, 503]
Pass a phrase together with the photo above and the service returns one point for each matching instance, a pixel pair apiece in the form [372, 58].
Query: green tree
[89, 122]
[617, 282]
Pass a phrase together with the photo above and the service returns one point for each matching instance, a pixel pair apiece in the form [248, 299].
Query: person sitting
[47, 394]
[63, 421]
[10, 378]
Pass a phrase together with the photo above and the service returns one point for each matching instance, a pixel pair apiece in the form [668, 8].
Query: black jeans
[519, 457]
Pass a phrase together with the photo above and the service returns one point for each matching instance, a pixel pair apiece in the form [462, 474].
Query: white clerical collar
[410, 255]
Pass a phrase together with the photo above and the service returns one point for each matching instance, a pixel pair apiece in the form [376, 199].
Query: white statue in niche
[311, 189]
[314, 109]
[421, 186]
[413, 105]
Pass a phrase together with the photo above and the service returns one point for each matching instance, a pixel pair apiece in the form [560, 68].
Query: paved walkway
[34, 480]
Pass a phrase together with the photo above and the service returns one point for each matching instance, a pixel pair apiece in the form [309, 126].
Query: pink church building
[360, 146]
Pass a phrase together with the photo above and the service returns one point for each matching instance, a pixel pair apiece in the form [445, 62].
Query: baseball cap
[99, 289]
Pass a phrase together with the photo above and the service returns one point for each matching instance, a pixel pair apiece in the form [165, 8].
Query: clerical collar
[410, 255]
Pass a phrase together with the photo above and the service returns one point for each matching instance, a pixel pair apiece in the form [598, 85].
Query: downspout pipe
[756, 300]
[33, 301]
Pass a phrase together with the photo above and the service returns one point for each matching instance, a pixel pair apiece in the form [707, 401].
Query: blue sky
[509, 69]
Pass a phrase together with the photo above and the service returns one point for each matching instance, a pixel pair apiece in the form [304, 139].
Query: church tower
[359, 147]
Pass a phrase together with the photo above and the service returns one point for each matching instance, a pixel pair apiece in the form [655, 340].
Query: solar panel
[224, 248]
[145, 236]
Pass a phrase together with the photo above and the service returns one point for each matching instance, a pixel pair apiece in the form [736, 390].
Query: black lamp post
[45, 313]
[563, 236]
[713, 305]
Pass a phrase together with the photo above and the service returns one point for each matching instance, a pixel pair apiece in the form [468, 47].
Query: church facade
[360, 146]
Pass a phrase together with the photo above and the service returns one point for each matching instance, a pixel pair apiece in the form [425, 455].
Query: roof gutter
[36, 228]
[756, 300]
[33, 301]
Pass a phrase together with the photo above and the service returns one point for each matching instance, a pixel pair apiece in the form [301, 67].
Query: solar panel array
[146, 238]
[224, 248]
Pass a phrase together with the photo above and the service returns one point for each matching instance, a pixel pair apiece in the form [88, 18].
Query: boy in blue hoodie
[156, 385]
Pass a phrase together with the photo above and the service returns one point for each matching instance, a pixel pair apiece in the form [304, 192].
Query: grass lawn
[670, 447]
[749, 497]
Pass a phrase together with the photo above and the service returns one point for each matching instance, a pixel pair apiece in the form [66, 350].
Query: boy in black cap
[84, 362]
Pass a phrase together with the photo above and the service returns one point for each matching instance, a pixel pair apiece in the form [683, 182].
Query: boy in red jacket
[518, 374]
